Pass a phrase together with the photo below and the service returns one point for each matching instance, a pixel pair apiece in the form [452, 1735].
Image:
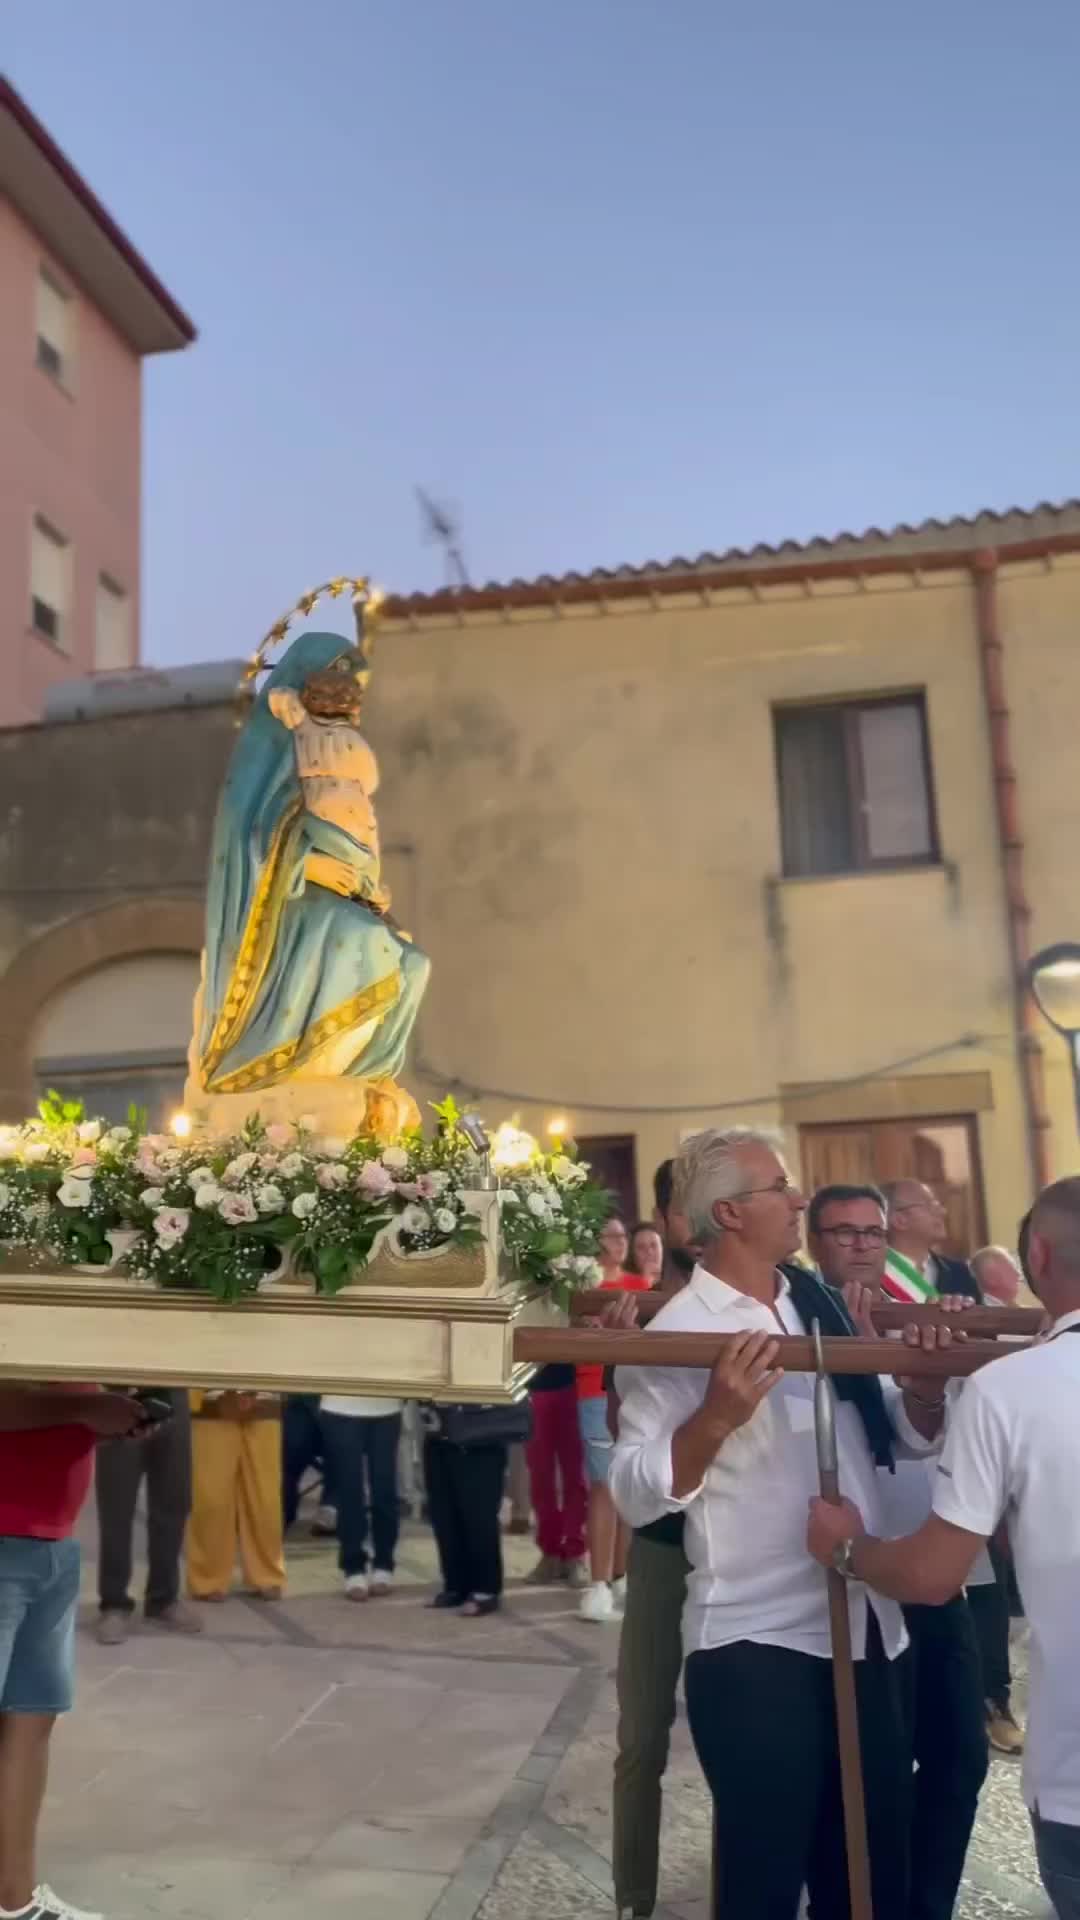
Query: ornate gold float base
[428, 1326]
[426, 1347]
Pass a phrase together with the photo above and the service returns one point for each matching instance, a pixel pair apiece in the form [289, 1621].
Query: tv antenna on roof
[444, 527]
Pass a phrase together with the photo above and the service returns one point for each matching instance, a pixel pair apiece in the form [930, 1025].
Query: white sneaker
[596, 1602]
[381, 1581]
[618, 1590]
[47, 1905]
[357, 1586]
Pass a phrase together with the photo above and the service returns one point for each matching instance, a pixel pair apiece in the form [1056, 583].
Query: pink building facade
[79, 311]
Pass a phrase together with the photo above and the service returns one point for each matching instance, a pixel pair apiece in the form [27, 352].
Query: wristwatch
[844, 1559]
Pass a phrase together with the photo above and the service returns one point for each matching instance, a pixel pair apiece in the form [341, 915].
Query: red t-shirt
[590, 1380]
[45, 1475]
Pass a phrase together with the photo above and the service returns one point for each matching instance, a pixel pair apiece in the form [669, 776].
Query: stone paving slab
[384, 1761]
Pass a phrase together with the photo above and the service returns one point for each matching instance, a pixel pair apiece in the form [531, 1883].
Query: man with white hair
[998, 1274]
[735, 1451]
[1012, 1452]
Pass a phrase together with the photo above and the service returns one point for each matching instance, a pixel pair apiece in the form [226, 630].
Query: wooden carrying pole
[843, 1662]
[631, 1347]
[888, 1315]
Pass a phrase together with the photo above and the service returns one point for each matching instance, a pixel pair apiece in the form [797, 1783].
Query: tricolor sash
[903, 1280]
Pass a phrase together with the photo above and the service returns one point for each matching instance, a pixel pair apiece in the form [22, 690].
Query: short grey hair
[707, 1169]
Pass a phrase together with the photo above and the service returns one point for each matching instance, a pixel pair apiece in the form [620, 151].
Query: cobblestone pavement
[317, 1757]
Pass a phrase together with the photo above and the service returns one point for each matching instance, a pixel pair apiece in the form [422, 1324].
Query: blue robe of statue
[291, 966]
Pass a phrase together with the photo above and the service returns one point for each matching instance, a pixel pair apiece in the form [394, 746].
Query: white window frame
[58, 636]
[108, 591]
[56, 358]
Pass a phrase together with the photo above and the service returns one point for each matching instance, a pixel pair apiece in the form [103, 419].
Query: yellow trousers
[236, 1501]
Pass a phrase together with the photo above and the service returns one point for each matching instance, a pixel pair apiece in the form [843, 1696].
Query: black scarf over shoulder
[814, 1300]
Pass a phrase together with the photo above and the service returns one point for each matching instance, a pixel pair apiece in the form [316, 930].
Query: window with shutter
[112, 627]
[50, 583]
[854, 786]
[55, 329]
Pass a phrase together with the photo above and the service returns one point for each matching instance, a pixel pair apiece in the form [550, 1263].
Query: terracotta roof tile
[1019, 531]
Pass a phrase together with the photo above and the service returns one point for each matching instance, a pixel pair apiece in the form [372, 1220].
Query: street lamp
[1053, 976]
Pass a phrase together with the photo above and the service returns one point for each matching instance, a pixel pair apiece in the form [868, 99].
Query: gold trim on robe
[255, 950]
[283, 1061]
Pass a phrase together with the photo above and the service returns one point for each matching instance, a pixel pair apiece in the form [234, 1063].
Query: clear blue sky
[620, 278]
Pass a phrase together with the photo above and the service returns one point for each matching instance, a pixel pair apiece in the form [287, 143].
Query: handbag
[508, 1425]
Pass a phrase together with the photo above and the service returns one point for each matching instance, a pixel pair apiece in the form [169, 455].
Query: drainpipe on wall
[1018, 911]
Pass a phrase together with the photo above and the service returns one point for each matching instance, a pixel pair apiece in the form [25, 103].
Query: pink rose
[84, 1157]
[374, 1180]
[281, 1135]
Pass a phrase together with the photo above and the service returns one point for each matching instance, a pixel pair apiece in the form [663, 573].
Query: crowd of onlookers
[650, 1507]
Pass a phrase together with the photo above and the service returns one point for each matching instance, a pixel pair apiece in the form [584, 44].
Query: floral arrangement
[219, 1212]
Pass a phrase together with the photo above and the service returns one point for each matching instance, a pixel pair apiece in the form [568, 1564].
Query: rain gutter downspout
[984, 568]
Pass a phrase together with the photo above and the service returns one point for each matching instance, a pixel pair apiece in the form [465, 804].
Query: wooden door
[613, 1160]
[943, 1153]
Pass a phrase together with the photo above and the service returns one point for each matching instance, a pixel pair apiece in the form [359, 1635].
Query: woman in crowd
[608, 1538]
[236, 1495]
[465, 1455]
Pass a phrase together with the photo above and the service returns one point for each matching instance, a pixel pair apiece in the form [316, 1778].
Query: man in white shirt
[735, 1451]
[848, 1236]
[1013, 1450]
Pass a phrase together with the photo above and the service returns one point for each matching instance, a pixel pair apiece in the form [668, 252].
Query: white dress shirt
[1013, 1451]
[752, 1577]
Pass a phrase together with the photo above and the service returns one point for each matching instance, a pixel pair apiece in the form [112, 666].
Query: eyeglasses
[847, 1236]
[783, 1185]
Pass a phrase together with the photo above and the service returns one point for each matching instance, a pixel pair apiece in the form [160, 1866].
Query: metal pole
[843, 1664]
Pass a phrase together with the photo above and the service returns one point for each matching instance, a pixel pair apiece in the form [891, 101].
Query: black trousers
[763, 1722]
[989, 1609]
[361, 1456]
[465, 1490]
[164, 1459]
[301, 1448]
[948, 1738]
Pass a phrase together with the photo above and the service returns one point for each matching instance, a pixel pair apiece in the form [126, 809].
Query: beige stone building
[763, 836]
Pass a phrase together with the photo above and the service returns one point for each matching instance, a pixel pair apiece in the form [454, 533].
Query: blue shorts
[596, 1441]
[39, 1597]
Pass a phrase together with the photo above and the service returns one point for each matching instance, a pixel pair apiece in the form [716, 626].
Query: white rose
[330, 1147]
[202, 1177]
[269, 1199]
[304, 1205]
[236, 1209]
[9, 1141]
[118, 1136]
[171, 1224]
[589, 1269]
[395, 1158]
[152, 1197]
[446, 1220]
[208, 1195]
[237, 1168]
[291, 1166]
[35, 1151]
[89, 1131]
[74, 1193]
[415, 1220]
[564, 1263]
[537, 1205]
[332, 1174]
